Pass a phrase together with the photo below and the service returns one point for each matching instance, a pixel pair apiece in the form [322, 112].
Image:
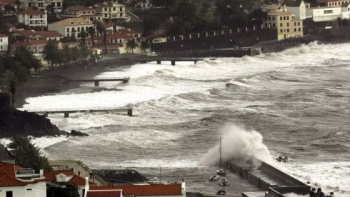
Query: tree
[66, 54]
[163, 3]
[91, 32]
[83, 35]
[10, 84]
[27, 155]
[18, 4]
[50, 52]
[145, 45]
[132, 44]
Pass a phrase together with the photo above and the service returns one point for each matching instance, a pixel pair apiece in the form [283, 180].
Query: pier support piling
[97, 83]
[173, 62]
[130, 112]
[66, 114]
[159, 62]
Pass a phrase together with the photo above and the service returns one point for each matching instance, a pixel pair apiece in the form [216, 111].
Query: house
[71, 27]
[332, 3]
[111, 28]
[24, 35]
[56, 5]
[33, 18]
[35, 46]
[296, 7]
[143, 5]
[82, 11]
[159, 190]
[16, 181]
[68, 177]
[4, 45]
[111, 10]
[48, 35]
[285, 23]
[5, 3]
[130, 32]
[10, 27]
[322, 14]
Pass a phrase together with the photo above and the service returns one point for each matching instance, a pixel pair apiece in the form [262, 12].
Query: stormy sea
[293, 103]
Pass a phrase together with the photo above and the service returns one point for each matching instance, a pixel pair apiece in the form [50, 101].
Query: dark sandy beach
[51, 81]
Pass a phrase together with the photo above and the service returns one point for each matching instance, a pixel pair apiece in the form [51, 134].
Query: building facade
[296, 7]
[82, 11]
[4, 43]
[71, 27]
[35, 46]
[33, 18]
[285, 23]
[112, 11]
[56, 5]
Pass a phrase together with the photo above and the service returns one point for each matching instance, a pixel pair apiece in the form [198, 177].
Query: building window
[273, 25]
[281, 24]
[295, 23]
[9, 194]
[295, 29]
[273, 18]
[284, 18]
[269, 18]
[29, 189]
[287, 24]
[281, 30]
[299, 29]
[298, 23]
[105, 9]
[121, 9]
[328, 11]
[287, 30]
[281, 18]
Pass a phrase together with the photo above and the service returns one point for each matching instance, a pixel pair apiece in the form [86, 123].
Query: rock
[121, 176]
[14, 122]
[77, 133]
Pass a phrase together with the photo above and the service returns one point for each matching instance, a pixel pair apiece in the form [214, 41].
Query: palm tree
[50, 52]
[91, 31]
[132, 44]
[66, 54]
[145, 45]
[102, 33]
[83, 35]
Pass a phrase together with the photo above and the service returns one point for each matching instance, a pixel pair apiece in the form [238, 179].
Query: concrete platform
[253, 194]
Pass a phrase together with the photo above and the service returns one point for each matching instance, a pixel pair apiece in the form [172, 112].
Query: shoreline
[51, 81]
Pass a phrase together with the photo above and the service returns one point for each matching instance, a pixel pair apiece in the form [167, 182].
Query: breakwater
[274, 182]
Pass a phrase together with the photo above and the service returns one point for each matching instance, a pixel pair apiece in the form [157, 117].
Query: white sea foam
[239, 144]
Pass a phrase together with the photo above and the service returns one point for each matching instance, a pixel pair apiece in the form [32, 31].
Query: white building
[57, 5]
[296, 7]
[82, 11]
[71, 27]
[15, 181]
[33, 18]
[323, 14]
[4, 43]
[112, 10]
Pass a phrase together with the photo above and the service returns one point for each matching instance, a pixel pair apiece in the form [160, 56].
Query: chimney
[87, 187]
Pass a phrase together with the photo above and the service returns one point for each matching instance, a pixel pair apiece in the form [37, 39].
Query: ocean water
[293, 103]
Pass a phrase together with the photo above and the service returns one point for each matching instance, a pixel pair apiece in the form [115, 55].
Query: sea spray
[238, 144]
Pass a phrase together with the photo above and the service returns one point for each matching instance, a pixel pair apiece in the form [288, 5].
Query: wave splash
[238, 144]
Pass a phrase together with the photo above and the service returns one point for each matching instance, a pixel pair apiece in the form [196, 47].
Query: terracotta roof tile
[77, 180]
[8, 181]
[144, 190]
[51, 175]
[49, 34]
[29, 43]
[73, 22]
[118, 35]
[103, 194]
[7, 1]
[32, 12]
[2, 36]
[8, 169]
[26, 32]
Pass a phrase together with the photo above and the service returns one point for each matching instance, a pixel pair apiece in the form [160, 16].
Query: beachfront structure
[82, 11]
[35, 46]
[159, 190]
[28, 35]
[33, 18]
[111, 10]
[332, 3]
[324, 14]
[16, 181]
[4, 43]
[285, 23]
[56, 5]
[71, 27]
[296, 7]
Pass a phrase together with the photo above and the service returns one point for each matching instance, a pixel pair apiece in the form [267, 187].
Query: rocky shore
[121, 176]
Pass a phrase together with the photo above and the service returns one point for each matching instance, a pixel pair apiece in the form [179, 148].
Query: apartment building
[57, 5]
[71, 27]
[111, 10]
[33, 18]
[35, 46]
[82, 11]
[4, 43]
[297, 7]
[285, 23]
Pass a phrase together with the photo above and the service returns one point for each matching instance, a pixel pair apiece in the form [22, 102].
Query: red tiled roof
[49, 34]
[7, 1]
[8, 181]
[8, 169]
[79, 8]
[29, 43]
[103, 194]
[345, 5]
[144, 190]
[118, 35]
[26, 32]
[77, 180]
[32, 12]
[128, 31]
[51, 175]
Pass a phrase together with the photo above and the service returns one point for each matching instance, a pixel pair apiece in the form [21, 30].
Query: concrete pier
[98, 80]
[66, 112]
[173, 60]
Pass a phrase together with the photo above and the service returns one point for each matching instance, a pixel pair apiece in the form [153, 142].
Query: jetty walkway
[98, 80]
[173, 60]
[66, 112]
